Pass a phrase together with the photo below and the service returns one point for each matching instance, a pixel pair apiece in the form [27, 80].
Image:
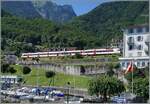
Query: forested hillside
[27, 35]
[91, 30]
[108, 19]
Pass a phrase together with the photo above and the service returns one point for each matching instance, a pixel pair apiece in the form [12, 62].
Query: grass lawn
[59, 80]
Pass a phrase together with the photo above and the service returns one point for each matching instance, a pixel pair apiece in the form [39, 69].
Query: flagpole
[132, 75]
[132, 81]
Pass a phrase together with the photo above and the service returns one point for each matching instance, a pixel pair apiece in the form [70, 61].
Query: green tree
[117, 66]
[82, 69]
[110, 71]
[12, 70]
[105, 86]
[4, 68]
[78, 56]
[20, 80]
[137, 73]
[141, 87]
[26, 70]
[50, 74]
[37, 59]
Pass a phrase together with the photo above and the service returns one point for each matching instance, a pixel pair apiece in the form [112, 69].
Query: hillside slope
[92, 30]
[108, 19]
[29, 35]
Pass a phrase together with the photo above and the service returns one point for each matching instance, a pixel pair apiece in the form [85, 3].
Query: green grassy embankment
[59, 80]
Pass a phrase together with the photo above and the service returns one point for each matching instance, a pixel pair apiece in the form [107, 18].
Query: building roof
[137, 26]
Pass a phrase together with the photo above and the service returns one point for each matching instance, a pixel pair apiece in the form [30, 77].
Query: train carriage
[72, 53]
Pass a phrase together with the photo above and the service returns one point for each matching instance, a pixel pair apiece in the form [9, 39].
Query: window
[128, 64]
[139, 30]
[130, 30]
[130, 40]
[143, 63]
[139, 38]
[147, 29]
[123, 64]
[139, 53]
[139, 47]
[130, 47]
[138, 64]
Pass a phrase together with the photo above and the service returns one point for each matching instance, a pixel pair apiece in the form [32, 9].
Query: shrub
[26, 70]
[12, 70]
[4, 68]
[49, 74]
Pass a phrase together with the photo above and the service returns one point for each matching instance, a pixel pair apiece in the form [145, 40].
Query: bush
[20, 80]
[141, 87]
[4, 68]
[82, 69]
[26, 70]
[12, 70]
[137, 73]
[49, 74]
[78, 56]
[117, 66]
[105, 86]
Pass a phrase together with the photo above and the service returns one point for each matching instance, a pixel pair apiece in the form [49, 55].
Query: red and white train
[72, 53]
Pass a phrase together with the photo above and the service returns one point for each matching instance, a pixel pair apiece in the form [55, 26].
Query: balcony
[130, 40]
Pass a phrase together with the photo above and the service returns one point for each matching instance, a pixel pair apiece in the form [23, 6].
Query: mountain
[108, 19]
[37, 9]
[54, 12]
[20, 8]
[92, 30]
[29, 35]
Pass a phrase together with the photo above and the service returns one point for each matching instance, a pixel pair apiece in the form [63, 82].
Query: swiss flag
[130, 68]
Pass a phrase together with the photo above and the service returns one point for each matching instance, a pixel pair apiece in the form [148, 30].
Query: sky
[81, 6]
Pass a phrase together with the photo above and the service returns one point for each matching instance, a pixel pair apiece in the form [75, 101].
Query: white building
[9, 79]
[136, 46]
